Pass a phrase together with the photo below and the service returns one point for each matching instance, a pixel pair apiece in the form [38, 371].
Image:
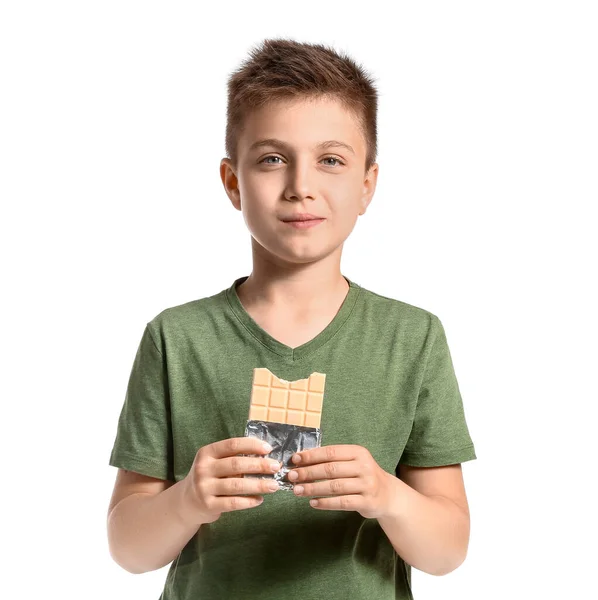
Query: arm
[428, 520]
[149, 522]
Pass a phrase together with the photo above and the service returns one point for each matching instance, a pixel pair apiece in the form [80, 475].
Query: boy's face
[274, 182]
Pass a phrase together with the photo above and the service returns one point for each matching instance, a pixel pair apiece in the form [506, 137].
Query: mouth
[304, 223]
[302, 217]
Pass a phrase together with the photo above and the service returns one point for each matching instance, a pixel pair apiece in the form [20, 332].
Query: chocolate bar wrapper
[285, 440]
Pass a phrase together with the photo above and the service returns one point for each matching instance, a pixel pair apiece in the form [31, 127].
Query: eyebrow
[281, 144]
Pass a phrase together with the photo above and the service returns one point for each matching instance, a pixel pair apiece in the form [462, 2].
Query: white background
[111, 132]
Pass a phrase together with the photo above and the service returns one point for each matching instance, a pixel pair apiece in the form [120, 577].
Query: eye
[334, 158]
[338, 160]
[267, 157]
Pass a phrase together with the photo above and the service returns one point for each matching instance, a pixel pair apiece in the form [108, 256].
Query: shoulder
[192, 318]
[395, 312]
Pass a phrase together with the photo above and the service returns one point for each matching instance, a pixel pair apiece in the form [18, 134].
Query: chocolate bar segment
[290, 402]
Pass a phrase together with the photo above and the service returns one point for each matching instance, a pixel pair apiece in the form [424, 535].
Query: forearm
[146, 532]
[431, 533]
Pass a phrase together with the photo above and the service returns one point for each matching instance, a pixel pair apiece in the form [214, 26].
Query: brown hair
[281, 69]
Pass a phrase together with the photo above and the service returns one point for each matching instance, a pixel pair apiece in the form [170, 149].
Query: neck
[299, 288]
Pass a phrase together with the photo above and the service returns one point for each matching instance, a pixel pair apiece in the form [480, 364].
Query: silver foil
[285, 440]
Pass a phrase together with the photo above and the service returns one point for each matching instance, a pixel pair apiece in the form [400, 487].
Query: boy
[301, 145]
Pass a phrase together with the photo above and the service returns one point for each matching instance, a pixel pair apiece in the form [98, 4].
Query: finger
[237, 445]
[239, 465]
[330, 470]
[332, 487]
[243, 486]
[230, 503]
[327, 454]
[353, 502]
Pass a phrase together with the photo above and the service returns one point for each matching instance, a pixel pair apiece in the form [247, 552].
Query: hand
[215, 481]
[351, 475]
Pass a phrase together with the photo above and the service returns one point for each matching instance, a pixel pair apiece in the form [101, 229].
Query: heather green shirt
[390, 387]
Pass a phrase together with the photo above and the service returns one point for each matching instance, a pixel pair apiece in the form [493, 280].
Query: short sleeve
[144, 434]
[439, 435]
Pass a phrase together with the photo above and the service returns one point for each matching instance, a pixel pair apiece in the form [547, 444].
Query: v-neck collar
[279, 348]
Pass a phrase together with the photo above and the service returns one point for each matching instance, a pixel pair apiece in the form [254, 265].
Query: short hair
[281, 69]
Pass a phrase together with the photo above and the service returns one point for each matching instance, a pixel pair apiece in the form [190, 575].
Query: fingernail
[296, 458]
[267, 447]
[275, 466]
[293, 475]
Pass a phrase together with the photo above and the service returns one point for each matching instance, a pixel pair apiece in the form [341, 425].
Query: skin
[296, 280]
[424, 512]
[347, 473]
[296, 273]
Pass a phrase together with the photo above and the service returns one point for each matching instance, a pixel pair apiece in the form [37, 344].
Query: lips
[306, 224]
[302, 217]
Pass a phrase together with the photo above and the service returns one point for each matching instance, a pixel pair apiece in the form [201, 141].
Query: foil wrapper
[285, 440]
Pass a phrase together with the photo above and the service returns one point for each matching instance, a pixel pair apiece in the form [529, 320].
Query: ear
[231, 182]
[369, 187]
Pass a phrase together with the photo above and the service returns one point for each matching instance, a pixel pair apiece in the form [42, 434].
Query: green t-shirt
[390, 387]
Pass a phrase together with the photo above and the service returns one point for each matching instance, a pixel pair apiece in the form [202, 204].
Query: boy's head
[300, 97]
[282, 69]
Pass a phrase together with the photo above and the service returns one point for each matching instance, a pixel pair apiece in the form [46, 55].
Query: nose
[300, 182]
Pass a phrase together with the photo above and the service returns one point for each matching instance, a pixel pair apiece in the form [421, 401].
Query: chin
[298, 251]
[307, 254]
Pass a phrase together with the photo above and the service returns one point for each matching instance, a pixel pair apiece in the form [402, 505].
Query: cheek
[346, 208]
[258, 181]
[254, 217]
[260, 194]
